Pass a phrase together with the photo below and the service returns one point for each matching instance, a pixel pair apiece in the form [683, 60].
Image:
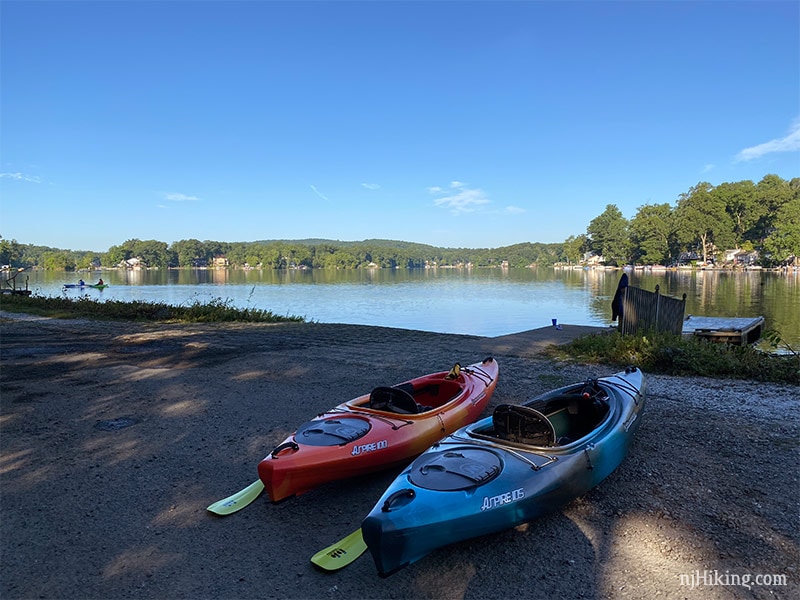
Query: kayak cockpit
[410, 399]
[558, 420]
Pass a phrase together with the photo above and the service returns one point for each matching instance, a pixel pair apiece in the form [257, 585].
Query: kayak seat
[575, 413]
[415, 393]
[523, 425]
[393, 399]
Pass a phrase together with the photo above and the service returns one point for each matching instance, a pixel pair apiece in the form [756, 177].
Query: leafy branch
[774, 339]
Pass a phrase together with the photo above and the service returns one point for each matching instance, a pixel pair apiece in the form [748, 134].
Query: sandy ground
[115, 437]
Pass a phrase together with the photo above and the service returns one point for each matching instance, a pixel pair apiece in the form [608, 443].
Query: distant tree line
[704, 221]
[282, 254]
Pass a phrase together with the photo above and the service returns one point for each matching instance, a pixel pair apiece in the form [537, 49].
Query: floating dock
[738, 331]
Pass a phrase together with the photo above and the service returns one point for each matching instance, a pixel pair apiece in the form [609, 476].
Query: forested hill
[376, 243]
[281, 254]
[762, 220]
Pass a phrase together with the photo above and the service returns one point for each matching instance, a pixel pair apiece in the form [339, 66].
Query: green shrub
[680, 355]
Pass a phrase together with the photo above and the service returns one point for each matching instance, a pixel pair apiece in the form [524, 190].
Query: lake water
[486, 302]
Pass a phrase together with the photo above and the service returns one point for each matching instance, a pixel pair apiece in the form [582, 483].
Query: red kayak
[385, 428]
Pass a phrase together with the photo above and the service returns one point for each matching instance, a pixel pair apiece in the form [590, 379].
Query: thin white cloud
[175, 197]
[318, 193]
[708, 168]
[371, 186]
[515, 210]
[21, 177]
[459, 199]
[788, 143]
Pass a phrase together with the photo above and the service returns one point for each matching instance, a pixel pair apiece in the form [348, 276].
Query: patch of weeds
[686, 356]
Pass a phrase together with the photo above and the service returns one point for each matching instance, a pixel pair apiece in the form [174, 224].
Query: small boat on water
[385, 428]
[520, 463]
[97, 286]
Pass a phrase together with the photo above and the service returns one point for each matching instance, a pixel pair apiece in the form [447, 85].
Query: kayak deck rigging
[388, 419]
[512, 449]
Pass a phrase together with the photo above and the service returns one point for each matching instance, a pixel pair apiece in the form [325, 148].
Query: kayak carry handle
[406, 493]
[282, 447]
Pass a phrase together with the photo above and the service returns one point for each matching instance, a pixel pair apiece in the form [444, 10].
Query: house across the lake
[743, 258]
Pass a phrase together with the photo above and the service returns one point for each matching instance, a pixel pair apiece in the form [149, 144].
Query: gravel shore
[114, 438]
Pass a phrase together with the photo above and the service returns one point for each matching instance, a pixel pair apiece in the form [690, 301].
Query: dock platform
[738, 331]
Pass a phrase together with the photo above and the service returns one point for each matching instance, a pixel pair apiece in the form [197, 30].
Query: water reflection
[472, 301]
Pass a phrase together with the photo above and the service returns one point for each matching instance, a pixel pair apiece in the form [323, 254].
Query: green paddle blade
[238, 501]
[340, 554]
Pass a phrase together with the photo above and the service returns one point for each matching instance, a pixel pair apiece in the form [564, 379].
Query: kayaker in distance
[99, 281]
[80, 282]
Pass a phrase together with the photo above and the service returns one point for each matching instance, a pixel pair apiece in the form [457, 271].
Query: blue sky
[457, 124]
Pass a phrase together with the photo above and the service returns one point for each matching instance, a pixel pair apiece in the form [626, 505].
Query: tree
[303, 255]
[783, 244]
[651, 231]
[701, 218]
[10, 253]
[271, 257]
[151, 252]
[237, 254]
[214, 249]
[740, 203]
[59, 260]
[772, 193]
[88, 260]
[189, 253]
[115, 255]
[608, 235]
[574, 248]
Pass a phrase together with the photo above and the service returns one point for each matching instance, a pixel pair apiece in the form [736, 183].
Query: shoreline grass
[214, 311]
[683, 356]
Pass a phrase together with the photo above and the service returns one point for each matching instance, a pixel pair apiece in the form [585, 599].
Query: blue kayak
[520, 463]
